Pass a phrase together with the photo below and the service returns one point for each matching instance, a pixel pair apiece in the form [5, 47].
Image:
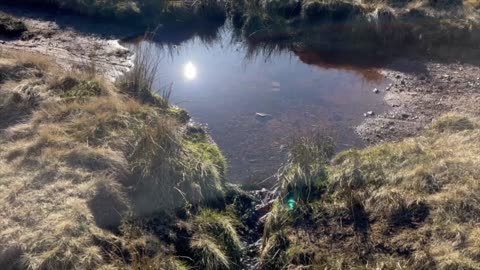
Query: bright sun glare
[190, 71]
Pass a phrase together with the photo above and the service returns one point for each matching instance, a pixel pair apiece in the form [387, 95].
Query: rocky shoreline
[420, 95]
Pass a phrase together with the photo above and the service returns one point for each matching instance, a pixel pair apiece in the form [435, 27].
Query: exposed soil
[71, 48]
[423, 93]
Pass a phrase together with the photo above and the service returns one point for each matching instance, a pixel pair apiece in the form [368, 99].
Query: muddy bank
[72, 49]
[419, 93]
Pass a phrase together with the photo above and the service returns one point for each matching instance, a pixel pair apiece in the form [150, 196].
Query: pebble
[369, 113]
[375, 91]
[262, 114]
[275, 84]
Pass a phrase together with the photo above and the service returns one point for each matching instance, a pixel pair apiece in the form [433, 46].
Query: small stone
[275, 84]
[370, 113]
[375, 91]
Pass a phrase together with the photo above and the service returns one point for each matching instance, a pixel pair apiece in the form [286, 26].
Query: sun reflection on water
[190, 71]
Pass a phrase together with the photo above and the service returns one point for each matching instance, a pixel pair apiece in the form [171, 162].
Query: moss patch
[84, 89]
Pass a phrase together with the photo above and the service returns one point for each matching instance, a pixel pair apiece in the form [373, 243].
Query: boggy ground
[412, 204]
[69, 47]
[70, 148]
[449, 47]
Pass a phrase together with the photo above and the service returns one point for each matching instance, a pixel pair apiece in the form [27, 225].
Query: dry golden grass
[414, 204]
[84, 159]
[473, 3]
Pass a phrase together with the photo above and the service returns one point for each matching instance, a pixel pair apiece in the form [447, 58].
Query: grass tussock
[305, 167]
[81, 159]
[139, 82]
[410, 205]
[11, 27]
[23, 77]
[215, 241]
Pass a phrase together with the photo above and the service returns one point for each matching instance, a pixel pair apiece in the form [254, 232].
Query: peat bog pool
[255, 100]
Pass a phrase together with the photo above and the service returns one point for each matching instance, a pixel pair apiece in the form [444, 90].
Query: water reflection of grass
[365, 28]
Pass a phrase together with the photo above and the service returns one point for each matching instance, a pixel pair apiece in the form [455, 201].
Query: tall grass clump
[140, 81]
[215, 242]
[304, 171]
[411, 204]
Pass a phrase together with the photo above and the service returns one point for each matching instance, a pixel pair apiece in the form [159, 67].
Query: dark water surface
[255, 100]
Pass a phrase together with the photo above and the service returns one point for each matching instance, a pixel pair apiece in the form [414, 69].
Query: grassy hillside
[367, 22]
[413, 204]
[143, 12]
[101, 176]
[260, 16]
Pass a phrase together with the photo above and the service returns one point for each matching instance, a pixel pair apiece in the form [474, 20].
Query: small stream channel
[255, 99]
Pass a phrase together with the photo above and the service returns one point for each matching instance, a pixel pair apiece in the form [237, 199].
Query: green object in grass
[291, 203]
